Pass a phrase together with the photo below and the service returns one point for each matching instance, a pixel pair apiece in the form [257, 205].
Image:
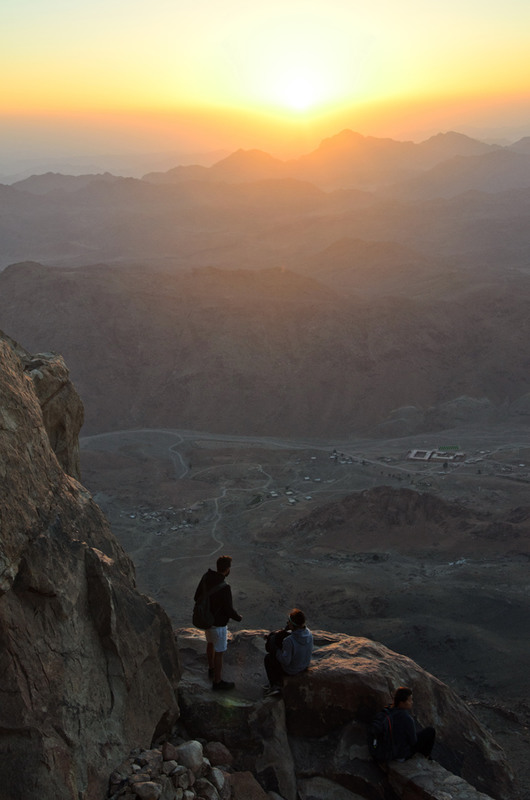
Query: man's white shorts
[217, 637]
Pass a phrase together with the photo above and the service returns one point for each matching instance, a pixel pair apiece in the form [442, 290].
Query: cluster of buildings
[446, 453]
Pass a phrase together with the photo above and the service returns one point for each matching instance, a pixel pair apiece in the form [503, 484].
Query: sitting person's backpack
[380, 739]
[274, 640]
[203, 617]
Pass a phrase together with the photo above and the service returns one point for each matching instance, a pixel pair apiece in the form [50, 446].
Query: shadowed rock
[323, 713]
[61, 406]
[89, 667]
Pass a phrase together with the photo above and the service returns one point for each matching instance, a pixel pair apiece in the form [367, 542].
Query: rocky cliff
[89, 666]
[318, 727]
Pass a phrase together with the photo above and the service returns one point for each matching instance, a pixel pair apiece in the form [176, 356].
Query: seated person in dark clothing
[406, 739]
[289, 650]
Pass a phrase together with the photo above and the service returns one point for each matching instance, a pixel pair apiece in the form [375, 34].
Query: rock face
[61, 406]
[318, 727]
[89, 666]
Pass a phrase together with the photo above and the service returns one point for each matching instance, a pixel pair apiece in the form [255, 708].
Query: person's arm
[410, 731]
[285, 654]
[226, 604]
[233, 613]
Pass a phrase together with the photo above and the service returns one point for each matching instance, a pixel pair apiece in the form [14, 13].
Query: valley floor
[178, 499]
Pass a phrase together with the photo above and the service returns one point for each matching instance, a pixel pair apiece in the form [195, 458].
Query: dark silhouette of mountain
[495, 171]
[243, 165]
[345, 159]
[443, 146]
[193, 172]
[266, 223]
[522, 146]
[54, 181]
[251, 210]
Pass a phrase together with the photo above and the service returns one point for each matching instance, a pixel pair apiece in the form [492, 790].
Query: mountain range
[316, 296]
[450, 195]
[273, 352]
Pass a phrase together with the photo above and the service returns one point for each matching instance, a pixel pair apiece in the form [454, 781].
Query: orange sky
[171, 74]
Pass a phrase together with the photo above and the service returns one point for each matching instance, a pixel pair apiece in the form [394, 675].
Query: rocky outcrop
[61, 406]
[89, 666]
[318, 727]
[174, 772]
[185, 770]
[419, 778]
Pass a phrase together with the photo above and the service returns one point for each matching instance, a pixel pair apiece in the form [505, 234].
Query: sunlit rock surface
[89, 667]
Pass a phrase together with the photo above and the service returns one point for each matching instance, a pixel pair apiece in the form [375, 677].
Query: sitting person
[288, 651]
[406, 739]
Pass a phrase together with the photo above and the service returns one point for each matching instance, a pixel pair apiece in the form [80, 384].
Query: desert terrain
[342, 529]
[260, 343]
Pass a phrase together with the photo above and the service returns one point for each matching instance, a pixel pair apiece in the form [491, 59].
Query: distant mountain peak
[454, 141]
[450, 135]
[345, 139]
[248, 157]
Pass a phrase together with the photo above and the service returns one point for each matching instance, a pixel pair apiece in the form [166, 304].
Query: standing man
[220, 596]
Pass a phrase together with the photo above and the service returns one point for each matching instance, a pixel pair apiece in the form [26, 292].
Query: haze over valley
[264, 291]
[261, 344]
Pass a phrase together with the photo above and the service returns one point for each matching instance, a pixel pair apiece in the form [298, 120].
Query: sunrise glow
[297, 63]
[299, 91]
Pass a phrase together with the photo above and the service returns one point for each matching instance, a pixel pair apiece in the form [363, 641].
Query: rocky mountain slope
[275, 353]
[345, 159]
[89, 666]
[251, 210]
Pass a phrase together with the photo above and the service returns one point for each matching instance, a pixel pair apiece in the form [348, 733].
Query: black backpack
[203, 617]
[380, 738]
[274, 640]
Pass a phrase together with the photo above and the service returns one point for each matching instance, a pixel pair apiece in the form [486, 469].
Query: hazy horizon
[62, 150]
[116, 79]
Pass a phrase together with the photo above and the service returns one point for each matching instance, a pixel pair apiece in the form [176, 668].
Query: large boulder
[326, 713]
[254, 731]
[89, 666]
[353, 677]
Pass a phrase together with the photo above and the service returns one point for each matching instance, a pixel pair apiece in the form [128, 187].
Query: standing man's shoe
[223, 686]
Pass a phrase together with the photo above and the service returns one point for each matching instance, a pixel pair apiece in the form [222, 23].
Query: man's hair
[297, 617]
[401, 695]
[224, 563]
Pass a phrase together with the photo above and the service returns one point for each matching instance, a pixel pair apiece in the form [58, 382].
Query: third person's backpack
[202, 612]
[380, 738]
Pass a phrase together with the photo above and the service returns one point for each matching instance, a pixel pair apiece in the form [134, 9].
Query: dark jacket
[404, 734]
[220, 601]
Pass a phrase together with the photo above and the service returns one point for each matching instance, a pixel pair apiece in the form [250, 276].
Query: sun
[298, 89]
[298, 92]
[296, 66]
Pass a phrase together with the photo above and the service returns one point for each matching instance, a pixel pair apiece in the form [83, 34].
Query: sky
[96, 76]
